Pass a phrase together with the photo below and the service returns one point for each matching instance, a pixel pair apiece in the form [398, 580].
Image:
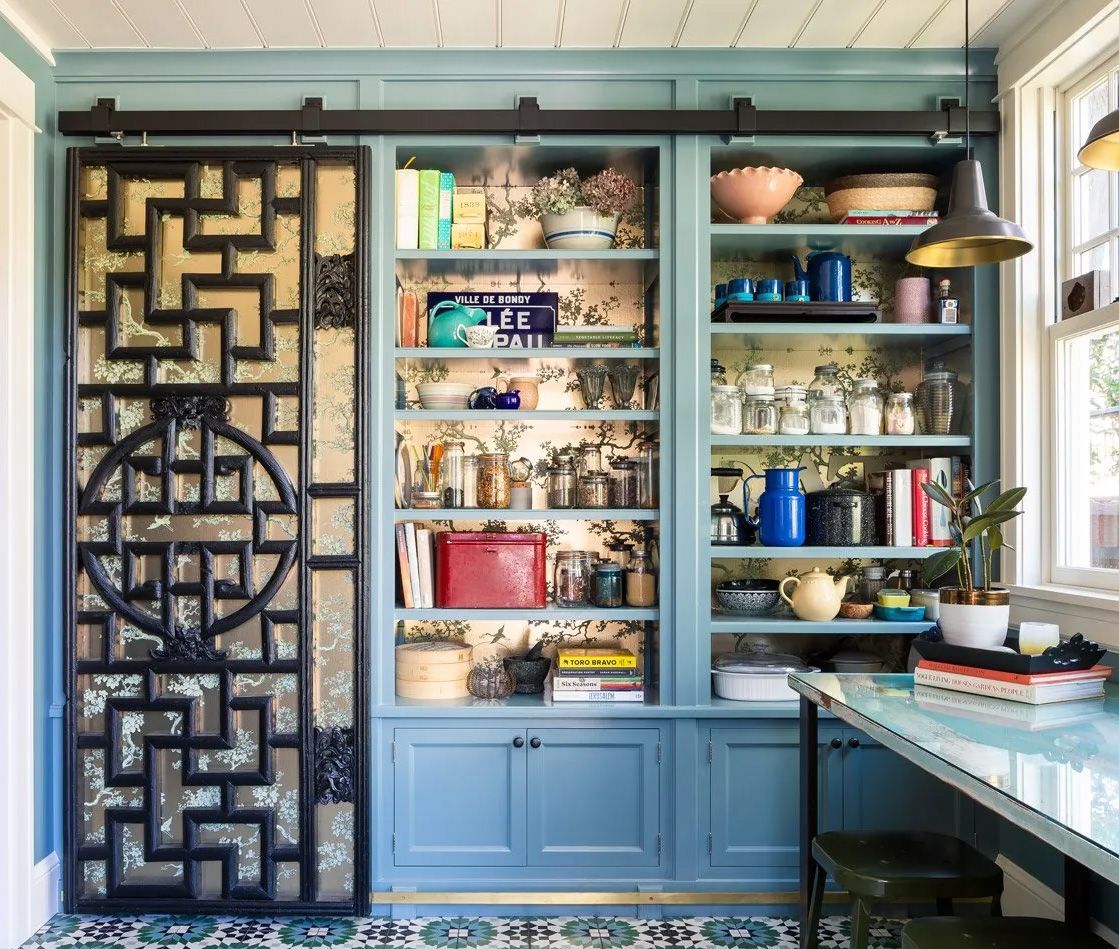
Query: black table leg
[1078, 880]
[809, 807]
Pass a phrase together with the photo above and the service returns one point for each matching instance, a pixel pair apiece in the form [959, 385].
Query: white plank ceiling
[514, 24]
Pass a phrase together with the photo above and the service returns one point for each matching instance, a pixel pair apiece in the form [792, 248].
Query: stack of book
[433, 214]
[596, 674]
[415, 555]
[603, 335]
[1040, 688]
[891, 217]
[911, 518]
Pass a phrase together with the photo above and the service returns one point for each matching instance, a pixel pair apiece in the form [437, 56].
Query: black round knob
[535, 742]
[852, 743]
[518, 742]
[836, 743]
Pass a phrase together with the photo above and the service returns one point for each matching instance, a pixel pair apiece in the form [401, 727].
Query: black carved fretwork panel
[215, 677]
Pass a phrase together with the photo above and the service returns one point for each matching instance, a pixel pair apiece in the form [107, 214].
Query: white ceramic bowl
[754, 686]
[443, 395]
[580, 228]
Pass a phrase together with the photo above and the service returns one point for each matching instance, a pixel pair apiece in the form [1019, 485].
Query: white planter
[983, 627]
[580, 229]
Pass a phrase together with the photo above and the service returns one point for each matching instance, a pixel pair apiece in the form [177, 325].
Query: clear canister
[623, 483]
[757, 379]
[493, 480]
[452, 475]
[864, 408]
[759, 415]
[572, 578]
[828, 416]
[900, 416]
[726, 410]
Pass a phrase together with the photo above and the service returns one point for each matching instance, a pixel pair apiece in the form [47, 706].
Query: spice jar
[757, 380]
[623, 483]
[561, 484]
[426, 500]
[726, 410]
[493, 480]
[594, 491]
[900, 419]
[864, 408]
[793, 419]
[759, 416]
[470, 481]
[826, 384]
[608, 585]
[452, 475]
[641, 581]
[572, 578]
[828, 416]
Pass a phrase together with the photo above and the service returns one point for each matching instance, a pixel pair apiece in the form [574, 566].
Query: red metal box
[476, 569]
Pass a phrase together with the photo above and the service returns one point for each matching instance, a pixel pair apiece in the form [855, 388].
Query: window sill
[1076, 609]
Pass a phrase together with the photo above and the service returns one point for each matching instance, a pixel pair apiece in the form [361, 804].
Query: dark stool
[985, 932]
[898, 866]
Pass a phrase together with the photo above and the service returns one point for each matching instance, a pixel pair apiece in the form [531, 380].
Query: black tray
[1071, 655]
[780, 312]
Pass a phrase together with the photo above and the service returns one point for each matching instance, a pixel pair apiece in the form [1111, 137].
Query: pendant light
[970, 233]
[1102, 148]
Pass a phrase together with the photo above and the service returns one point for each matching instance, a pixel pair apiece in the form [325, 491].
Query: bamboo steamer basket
[903, 191]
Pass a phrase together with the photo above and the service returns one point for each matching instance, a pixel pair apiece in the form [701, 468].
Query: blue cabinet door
[755, 795]
[883, 791]
[460, 797]
[594, 797]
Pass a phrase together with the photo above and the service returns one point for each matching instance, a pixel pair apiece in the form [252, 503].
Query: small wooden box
[468, 236]
[1085, 293]
[468, 206]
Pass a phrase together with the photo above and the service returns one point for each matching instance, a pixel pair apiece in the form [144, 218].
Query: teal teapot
[448, 321]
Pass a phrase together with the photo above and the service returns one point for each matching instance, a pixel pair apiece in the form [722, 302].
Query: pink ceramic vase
[913, 300]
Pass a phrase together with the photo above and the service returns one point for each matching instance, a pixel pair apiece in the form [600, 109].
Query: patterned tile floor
[445, 932]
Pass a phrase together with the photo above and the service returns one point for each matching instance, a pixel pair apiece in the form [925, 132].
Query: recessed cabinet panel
[595, 797]
[460, 797]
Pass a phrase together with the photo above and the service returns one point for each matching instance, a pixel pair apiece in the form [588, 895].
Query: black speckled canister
[841, 517]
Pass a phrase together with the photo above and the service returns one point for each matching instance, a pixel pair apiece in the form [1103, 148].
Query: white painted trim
[17, 486]
[46, 888]
[19, 23]
[18, 98]
[1025, 895]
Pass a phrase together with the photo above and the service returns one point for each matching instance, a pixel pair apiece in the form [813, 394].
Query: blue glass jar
[720, 294]
[740, 290]
[769, 290]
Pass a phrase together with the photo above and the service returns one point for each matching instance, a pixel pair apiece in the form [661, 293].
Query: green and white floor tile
[447, 932]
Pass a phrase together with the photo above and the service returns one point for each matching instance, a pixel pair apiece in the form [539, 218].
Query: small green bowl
[891, 597]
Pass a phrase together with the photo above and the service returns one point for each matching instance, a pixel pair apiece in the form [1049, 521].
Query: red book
[1038, 678]
[921, 516]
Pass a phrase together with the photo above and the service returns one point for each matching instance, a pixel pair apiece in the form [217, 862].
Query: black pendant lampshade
[970, 234]
[1102, 148]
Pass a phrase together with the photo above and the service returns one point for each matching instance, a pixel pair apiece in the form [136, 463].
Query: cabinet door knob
[836, 743]
[535, 742]
[852, 743]
[518, 742]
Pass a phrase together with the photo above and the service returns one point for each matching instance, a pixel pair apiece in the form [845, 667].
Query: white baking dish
[761, 677]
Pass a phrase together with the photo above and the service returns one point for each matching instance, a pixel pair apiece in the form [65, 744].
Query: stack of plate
[444, 395]
[432, 670]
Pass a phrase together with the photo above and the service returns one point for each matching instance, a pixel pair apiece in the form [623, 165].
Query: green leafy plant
[968, 523]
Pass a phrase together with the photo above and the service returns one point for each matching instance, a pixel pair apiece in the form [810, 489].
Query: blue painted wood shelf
[778, 241]
[535, 352]
[531, 254]
[637, 265]
[723, 623]
[539, 514]
[822, 553]
[779, 335]
[527, 415]
[548, 614]
[843, 441]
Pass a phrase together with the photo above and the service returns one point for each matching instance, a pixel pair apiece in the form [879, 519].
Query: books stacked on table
[1040, 688]
[601, 335]
[597, 674]
[890, 217]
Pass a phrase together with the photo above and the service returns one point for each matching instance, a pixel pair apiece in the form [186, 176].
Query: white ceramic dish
[443, 395]
[754, 686]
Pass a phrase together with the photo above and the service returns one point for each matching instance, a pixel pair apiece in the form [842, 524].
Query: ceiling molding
[27, 31]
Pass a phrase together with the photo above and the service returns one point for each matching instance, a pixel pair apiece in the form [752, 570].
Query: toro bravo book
[591, 658]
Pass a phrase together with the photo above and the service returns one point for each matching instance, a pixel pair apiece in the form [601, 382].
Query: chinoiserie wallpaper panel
[216, 495]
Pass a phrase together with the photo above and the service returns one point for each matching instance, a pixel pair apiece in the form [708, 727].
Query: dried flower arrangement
[608, 192]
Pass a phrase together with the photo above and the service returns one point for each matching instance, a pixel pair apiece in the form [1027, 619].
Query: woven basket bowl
[885, 192]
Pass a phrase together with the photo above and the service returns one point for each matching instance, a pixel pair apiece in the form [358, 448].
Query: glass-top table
[1052, 770]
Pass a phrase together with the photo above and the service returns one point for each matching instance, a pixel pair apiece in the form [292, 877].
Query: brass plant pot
[957, 596]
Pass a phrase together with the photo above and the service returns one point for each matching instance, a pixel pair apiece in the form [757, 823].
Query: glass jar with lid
[826, 384]
[757, 380]
[641, 580]
[623, 483]
[608, 585]
[864, 408]
[938, 399]
[452, 475]
[493, 480]
[726, 410]
[793, 419]
[759, 415]
[470, 481]
[590, 460]
[827, 415]
[561, 483]
[648, 474]
[718, 373]
[900, 417]
[594, 491]
[786, 394]
[572, 578]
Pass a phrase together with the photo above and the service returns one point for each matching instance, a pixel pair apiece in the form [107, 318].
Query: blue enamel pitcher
[828, 275]
[780, 518]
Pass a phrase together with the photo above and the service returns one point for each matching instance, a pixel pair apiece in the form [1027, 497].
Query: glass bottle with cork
[947, 305]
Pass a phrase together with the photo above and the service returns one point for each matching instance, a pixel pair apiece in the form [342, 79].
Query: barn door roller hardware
[104, 119]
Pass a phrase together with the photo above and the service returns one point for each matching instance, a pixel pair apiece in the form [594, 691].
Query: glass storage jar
[426, 500]
[493, 480]
[900, 418]
[786, 394]
[452, 475]
[590, 460]
[572, 578]
[641, 580]
[623, 483]
[608, 585]
[826, 384]
[648, 475]
[561, 484]
[594, 491]
[757, 380]
[726, 410]
[793, 419]
[470, 481]
[759, 415]
[864, 408]
[718, 373]
[938, 400]
[827, 415]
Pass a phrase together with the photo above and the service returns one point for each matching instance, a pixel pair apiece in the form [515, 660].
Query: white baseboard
[46, 890]
[1025, 895]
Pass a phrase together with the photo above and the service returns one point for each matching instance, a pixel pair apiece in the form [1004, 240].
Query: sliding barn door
[215, 530]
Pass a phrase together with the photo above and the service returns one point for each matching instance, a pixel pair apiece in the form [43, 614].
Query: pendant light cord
[967, 79]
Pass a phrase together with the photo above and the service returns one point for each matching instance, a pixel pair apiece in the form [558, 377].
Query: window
[1084, 360]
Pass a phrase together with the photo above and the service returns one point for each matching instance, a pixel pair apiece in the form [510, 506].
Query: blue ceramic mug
[768, 290]
[796, 291]
[740, 290]
[509, 400]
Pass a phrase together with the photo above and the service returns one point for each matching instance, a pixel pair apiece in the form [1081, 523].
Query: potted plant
[581, 214]
[972, 613]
